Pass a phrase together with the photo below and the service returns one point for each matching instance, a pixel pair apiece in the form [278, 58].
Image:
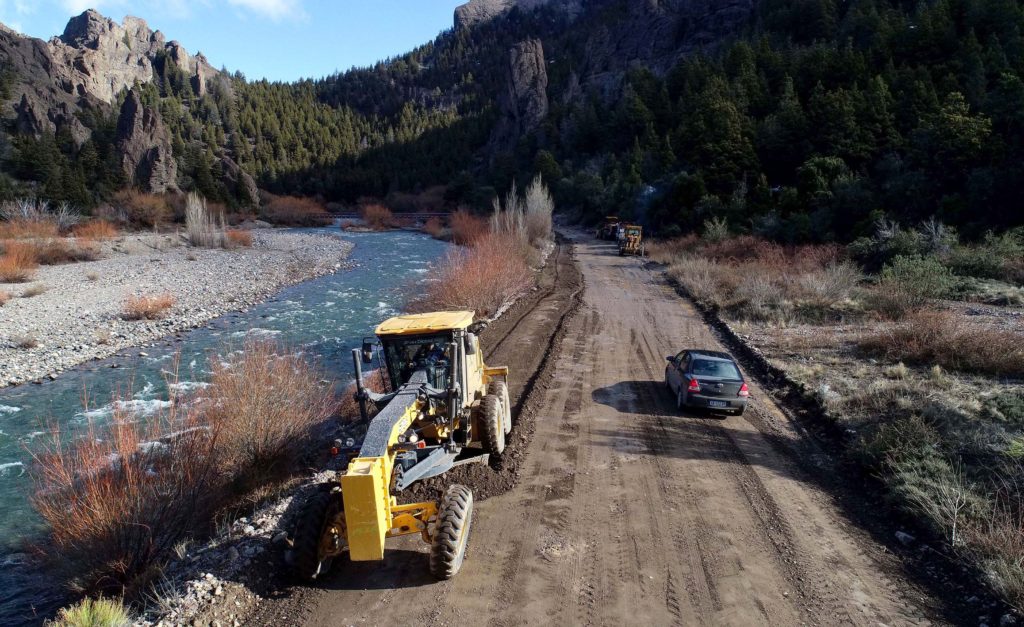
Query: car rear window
[715, 368]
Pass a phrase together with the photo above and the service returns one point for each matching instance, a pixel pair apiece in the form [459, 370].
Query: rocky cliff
[145, 147]
[478, 11]
[86, 67]
[524, 105]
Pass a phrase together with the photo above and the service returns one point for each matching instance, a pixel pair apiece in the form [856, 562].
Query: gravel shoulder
[78, 316]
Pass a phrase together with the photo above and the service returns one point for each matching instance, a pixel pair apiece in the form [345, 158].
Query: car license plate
[717, 404]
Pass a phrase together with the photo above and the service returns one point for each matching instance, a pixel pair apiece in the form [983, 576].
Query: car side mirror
[671, 358]
[367, 352]
[470, 341]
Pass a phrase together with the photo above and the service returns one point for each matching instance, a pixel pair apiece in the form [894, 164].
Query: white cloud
[274, 9]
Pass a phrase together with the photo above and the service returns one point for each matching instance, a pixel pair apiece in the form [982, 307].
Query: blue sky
[274, 39]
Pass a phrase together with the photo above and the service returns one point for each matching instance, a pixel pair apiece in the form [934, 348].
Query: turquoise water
[325, 318]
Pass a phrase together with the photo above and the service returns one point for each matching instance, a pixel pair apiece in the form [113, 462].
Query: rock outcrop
[239, 181]
[478, 11]
[524, 105]
[145, 147]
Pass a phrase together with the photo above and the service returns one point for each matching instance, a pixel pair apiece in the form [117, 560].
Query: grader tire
[451, 532]
[320, 511]
[500, 389]
[490, 421]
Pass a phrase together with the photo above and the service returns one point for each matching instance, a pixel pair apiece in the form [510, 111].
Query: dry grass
[34, 290]
[377, 217]
[294, 211]
[95, 230]
[467, 228]
[93, 613]
[948, 340]
[4, 297]
[25, 341]
[18, 262]
[236, 238]
[263, 403]
[28, 229]
[147, 307]
[434, 227]
[482, 277]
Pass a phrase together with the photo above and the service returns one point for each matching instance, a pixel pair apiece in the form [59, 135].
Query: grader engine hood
[365, 488]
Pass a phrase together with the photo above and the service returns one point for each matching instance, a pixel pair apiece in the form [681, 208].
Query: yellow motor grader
[446, 408]
[631, 240]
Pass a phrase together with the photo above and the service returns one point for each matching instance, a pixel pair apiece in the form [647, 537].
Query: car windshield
[407, 355]
[716, 368]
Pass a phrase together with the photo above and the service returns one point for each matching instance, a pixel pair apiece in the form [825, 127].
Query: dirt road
[623, 511]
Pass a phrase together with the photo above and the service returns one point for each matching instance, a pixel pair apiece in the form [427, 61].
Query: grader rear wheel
[451, 533]
[491, 417]
[499, 389]
[319, 535]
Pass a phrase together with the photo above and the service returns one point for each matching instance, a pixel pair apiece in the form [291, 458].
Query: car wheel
[680, 400]
[668, 382]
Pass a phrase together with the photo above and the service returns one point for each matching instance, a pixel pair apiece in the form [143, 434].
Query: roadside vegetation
[147, 307]
[913, 343]
[119, 497]
[494, 261]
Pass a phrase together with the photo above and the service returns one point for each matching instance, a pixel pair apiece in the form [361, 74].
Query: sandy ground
[78, 316]
[611, 507]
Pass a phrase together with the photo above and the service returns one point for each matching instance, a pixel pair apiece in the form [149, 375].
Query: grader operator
[446, 405]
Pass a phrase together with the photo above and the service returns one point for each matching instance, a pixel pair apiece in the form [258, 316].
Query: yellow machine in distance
[631, 240]
[608, 228]
[445, 403]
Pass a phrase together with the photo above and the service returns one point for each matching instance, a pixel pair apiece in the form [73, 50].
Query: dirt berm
[612, 507]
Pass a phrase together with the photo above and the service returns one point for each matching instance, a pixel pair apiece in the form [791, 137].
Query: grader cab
[446, 405]
[631, 240]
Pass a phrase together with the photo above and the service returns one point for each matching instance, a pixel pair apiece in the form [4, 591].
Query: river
[324, 317]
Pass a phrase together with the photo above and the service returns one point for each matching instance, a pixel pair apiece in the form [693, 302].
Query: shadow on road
[648, 398]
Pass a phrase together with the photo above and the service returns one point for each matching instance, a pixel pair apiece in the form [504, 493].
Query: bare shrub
[37, 212]
[204, 229]
[139, 209]
[482, 277]
[92, 275]
[539, 209]
[943, 338]
[832, 285]
[716, 229]
[120, 498]
[757, 294]
[4, 297]
[236, 238]
[147, 307]
[263, 403]
[28, 229]
[294, 211]
[467, 228]
[377, 216]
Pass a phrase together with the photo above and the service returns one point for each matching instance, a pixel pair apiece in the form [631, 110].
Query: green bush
[997, 257]
[922, 277]
[93, 613]
[1006, 407]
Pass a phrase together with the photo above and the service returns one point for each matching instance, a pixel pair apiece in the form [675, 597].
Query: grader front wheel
[500, 389]
[491, 419]
[319, 535]
[451, 533]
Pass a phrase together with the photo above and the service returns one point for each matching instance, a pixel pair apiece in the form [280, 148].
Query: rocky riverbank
[71, 314]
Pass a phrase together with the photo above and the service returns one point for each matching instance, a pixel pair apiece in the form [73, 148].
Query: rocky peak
[145, 147]
[478, 11]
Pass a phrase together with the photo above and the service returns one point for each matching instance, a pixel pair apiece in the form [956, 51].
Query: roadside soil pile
[75, 313]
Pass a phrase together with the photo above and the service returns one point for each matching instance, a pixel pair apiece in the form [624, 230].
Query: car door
[676, 370]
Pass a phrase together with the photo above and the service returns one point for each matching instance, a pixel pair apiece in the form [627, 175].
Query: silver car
[707, 380]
